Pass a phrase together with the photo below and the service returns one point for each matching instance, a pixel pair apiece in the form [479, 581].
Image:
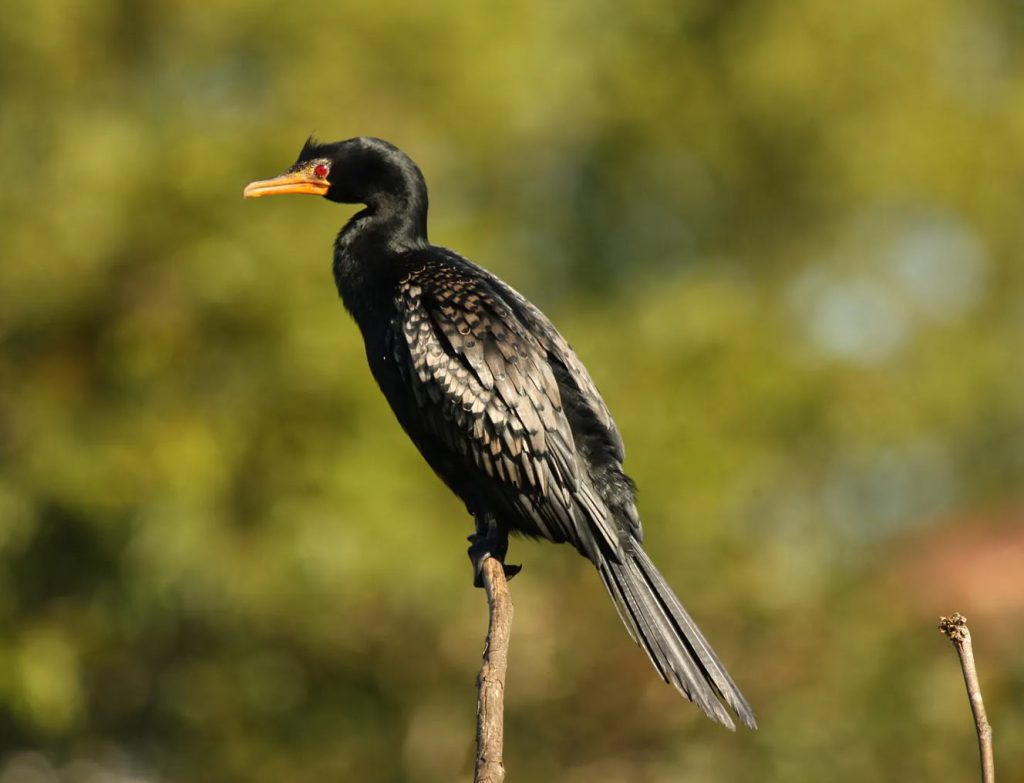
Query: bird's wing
[485, 388]
[574, 372]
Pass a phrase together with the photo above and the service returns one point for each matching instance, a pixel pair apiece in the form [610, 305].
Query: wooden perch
[490, 718]
[955, 628]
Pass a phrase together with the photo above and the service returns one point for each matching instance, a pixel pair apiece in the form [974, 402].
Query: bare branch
[490, 718]
[956, 629]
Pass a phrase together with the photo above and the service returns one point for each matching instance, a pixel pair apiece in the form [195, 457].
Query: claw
[489, 541]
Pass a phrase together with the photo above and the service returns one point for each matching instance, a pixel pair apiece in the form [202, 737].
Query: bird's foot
[488, 542]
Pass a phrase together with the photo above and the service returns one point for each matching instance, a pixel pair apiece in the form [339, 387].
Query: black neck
[366, 253]
[366, 248]
[395, 218]
[400, 220]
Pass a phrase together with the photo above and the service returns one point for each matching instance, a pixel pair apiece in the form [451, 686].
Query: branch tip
[956, 630]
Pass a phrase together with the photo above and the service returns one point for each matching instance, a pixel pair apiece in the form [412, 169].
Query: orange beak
[292, 182]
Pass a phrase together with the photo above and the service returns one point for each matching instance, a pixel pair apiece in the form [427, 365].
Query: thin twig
[490, 718]
[956, 629]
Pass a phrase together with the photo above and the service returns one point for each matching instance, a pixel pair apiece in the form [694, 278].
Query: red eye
[321, 170]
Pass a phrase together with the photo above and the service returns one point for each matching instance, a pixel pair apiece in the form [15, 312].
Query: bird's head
[357, 171]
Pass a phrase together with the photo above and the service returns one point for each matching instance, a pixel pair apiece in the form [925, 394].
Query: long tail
[659, 623]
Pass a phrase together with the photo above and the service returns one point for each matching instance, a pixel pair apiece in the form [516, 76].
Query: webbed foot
[489, 541]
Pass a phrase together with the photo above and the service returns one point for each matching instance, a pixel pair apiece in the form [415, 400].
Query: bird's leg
[489, 540]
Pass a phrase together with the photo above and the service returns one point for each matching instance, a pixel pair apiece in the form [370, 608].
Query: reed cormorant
[496, 400]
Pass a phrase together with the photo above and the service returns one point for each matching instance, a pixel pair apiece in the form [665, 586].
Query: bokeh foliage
[786, 238]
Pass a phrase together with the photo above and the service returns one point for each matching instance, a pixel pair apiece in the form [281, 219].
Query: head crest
[311, 149]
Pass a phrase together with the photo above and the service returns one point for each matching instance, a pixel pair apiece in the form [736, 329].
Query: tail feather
[658, 622]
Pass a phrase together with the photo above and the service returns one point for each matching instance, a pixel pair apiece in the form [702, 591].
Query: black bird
[496, 400]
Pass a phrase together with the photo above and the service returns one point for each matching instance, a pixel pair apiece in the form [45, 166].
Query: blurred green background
[785, 237]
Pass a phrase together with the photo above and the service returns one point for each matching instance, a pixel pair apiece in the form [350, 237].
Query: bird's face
[311, 175]
[351, 172]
